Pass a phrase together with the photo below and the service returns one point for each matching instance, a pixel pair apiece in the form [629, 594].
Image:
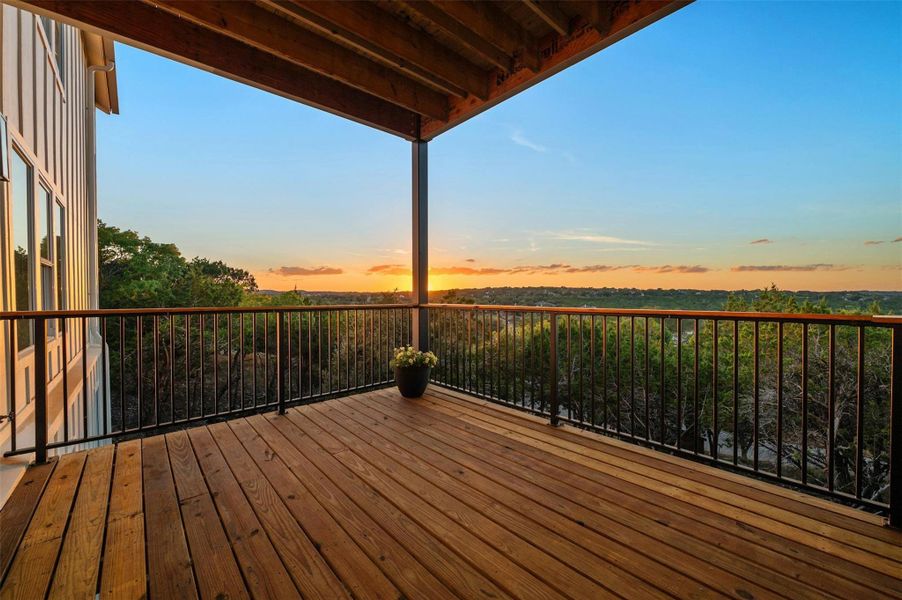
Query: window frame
[50, 31]
[30, 232]
[38, 179]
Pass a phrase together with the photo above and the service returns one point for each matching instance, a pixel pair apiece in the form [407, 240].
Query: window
[48, 282]
[23, 260]
[59, 249]
[56, 40]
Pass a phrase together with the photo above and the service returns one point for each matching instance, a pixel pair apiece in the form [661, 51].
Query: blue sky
[655, 163]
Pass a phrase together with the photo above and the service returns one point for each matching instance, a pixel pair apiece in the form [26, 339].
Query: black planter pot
[412, 381]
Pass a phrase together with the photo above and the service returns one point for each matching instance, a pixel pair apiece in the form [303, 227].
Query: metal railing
[807, 400]
[95, 375]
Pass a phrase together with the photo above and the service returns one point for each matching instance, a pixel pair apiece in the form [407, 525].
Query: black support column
[420, 237]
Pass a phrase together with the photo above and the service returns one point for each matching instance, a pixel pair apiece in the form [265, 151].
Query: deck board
[16, 514]
[375, 496]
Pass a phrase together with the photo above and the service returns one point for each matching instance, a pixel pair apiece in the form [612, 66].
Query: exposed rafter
[412, 68]
[271, 33]
[611, 22]
[551, 14]
[155, 30]
[490, 24]
[381, 35]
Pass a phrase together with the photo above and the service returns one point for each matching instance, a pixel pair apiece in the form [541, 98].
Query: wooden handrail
[128, 312]
[877, 320]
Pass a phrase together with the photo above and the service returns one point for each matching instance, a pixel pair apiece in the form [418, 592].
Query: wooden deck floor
[441, 497]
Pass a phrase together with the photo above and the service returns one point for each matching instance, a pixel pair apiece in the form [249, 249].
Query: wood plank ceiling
[414, 68]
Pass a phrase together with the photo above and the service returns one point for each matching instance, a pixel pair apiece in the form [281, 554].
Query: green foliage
[699, 385]
[136, 272]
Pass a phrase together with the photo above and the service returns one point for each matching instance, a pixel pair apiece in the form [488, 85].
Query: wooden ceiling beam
[488, 22]
[267, 31]
[160, 32]
[387, 38]
[475, 42]
[603, 24]
[551, 14]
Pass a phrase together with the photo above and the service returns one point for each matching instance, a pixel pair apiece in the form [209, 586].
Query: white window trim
[50, 55]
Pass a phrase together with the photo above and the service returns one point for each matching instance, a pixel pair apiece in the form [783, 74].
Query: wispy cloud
[519, 138]
[672, 269]
[873, 242]
[794, 268]
[549, 269]
[761, 241]
[305, 271]
[595, 238]
[388, 270]
[898, 239]
[470, 260]
[467, 271]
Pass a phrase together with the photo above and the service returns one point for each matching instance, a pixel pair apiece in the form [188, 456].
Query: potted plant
[412, 370]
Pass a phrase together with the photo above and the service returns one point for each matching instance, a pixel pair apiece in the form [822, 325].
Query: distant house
[52, 77]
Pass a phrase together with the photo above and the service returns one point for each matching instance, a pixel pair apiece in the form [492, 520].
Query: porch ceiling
[411, 68]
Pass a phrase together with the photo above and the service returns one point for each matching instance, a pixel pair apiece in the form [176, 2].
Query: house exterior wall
[43, 94]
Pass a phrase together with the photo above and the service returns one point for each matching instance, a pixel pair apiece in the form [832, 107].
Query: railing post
[280, 361]
[553, 371]
[40, 390]
[895, 453]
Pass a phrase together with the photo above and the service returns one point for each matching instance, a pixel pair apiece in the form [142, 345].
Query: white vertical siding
[46, 119]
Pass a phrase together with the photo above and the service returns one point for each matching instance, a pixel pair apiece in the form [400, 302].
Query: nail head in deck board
[311, 574]
[263, 570]
[217, 572]
[123, 573]
[20, 506]
[78, 566]
[32, 566]
[168, 563]
[362, 576]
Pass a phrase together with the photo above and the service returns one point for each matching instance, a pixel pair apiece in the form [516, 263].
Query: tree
[136, 272]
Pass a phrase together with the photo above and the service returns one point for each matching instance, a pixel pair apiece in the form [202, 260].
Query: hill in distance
[890, 303]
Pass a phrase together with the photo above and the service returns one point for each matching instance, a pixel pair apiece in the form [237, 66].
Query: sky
[730, 145]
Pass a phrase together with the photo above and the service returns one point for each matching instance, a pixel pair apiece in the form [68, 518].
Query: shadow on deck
[445, 496]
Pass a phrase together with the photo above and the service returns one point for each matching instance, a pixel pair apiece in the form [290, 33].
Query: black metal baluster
[859, 417]
[756, 429]
[156, 371]
[695, 411]
[632, 376]
[40, 390]
[780, 399]
[715, 437]
[804, 403]
[647, 386]
[553, 379]
[831, 408]
[679, 374]
[139, 375]
[736, 392]
[64, 334]
[171, 317]
[663, 393]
